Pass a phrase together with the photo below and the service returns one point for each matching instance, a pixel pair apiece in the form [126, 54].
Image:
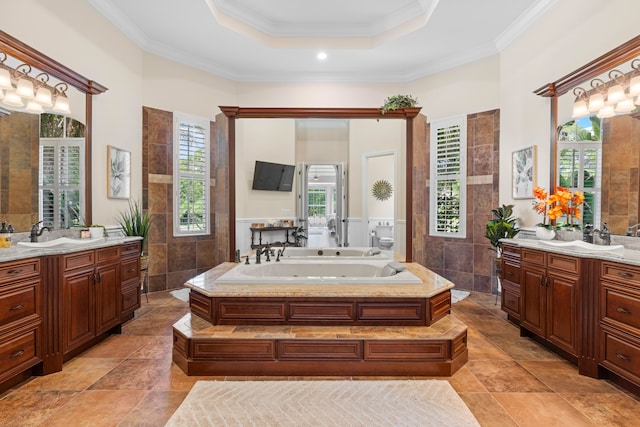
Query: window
[580, 164]
[447, 205]
[317, 201]
[61, 164]
[191, 176]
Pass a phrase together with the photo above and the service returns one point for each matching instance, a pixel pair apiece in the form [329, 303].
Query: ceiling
[365, 40]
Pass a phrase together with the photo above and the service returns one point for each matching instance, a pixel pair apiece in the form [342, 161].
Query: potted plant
[397, 102]
[135, 223]
[298, 235]
[502, 226]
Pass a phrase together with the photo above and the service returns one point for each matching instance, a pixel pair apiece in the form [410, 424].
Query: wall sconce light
[619, 97]
[34, 94]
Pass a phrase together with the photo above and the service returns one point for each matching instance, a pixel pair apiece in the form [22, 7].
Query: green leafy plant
[502, 226]
[397, 102]
[298, 235]
[135, 223]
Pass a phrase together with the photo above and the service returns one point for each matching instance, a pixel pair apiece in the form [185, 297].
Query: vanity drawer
[621, 308]
[14, 271]
[624, 274]
[531, 256]
[509, 251]
[130, 250]
[568, 264]
[511, 272]
[130, 298]
[107, 254]
[78, 260]
[621, 356]
[19, 302]
[130, 269]
[18, 351]
[511, 299]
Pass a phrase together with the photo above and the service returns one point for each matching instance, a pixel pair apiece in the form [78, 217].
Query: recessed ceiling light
[322, 55]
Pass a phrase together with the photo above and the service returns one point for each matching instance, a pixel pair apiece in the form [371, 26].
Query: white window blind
[61, 185]
[192, 172]
[447, 205]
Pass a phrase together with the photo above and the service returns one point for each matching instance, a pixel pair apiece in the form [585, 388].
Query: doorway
[379, 200]
[322, 206]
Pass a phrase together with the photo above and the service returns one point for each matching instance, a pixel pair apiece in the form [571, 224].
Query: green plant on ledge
[397, 102]
[502, 226]
[135, 223]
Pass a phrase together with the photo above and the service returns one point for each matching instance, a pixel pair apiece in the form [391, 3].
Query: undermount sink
[59, 242]
[581, 246]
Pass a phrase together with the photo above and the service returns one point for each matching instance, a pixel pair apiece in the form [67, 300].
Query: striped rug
[323, 403]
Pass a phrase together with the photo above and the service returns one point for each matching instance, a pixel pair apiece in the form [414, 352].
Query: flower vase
[543, 233]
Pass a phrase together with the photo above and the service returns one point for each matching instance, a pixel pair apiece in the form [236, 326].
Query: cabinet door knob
[17, 307]
[622, 310]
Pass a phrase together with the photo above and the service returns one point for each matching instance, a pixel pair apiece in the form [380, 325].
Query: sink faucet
[605, 234]
[634, 230]
[36, 231]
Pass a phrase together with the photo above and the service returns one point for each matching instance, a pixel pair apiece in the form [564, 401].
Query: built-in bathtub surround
[466, 262]
[172, 260]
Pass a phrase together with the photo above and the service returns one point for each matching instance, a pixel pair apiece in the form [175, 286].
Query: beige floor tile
[541, 409]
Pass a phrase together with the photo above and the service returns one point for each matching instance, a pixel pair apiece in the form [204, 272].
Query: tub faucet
[605, 234]
[36, 231]
[634, 230]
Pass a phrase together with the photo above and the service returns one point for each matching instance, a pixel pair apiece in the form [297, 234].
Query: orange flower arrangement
[562, 202]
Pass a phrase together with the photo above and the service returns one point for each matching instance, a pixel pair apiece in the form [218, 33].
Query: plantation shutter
[448, 178]
[60, 181]
[192, 213]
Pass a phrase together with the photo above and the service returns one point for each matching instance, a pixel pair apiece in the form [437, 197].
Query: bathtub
[381, 272]
[347, 253]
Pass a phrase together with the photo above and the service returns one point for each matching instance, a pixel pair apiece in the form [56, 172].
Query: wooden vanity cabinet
[549, 297]
[90, 295]
[620, 320]
[510, 281]
[20, 317]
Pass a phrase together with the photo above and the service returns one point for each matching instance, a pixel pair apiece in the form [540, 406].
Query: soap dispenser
[587, 233]
[5, 237]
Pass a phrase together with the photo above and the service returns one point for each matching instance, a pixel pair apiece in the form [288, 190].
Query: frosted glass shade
[615, 94]
[13, 100]
[62, 105]
[43, 97]
[580, 109]
[25, 89]
[5, 80]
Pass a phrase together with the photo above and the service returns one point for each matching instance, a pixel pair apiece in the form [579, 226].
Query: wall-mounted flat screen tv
[273, 176]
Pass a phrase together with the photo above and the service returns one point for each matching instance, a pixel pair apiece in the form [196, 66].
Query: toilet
[384, 234]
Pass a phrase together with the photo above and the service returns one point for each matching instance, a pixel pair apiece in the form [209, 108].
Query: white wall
[568, 36]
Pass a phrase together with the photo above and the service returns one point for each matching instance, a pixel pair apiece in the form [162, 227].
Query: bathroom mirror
[26, 126]
[620, 135]
[226, 134]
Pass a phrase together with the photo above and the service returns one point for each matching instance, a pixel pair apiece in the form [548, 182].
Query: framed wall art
[524, 172]
[118, 173]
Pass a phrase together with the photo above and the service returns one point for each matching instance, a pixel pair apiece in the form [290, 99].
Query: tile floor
[129, 380]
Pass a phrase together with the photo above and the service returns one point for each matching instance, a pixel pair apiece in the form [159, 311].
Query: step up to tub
[201, 348]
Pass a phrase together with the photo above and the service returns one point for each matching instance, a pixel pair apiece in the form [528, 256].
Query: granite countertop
[624, 256]
[18, 252]
[432, 284]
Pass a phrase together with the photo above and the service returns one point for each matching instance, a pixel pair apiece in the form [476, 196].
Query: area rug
[457, 296]
[323, 403]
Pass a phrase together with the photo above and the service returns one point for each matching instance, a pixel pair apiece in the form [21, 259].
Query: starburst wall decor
[382, 189]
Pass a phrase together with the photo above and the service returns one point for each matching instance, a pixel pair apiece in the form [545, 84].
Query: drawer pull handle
[622, 357]
[15, 271]
[509, 273]
[625, 274]
[17, 307]
[131, 270]
[16, 354]
[624, 311]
